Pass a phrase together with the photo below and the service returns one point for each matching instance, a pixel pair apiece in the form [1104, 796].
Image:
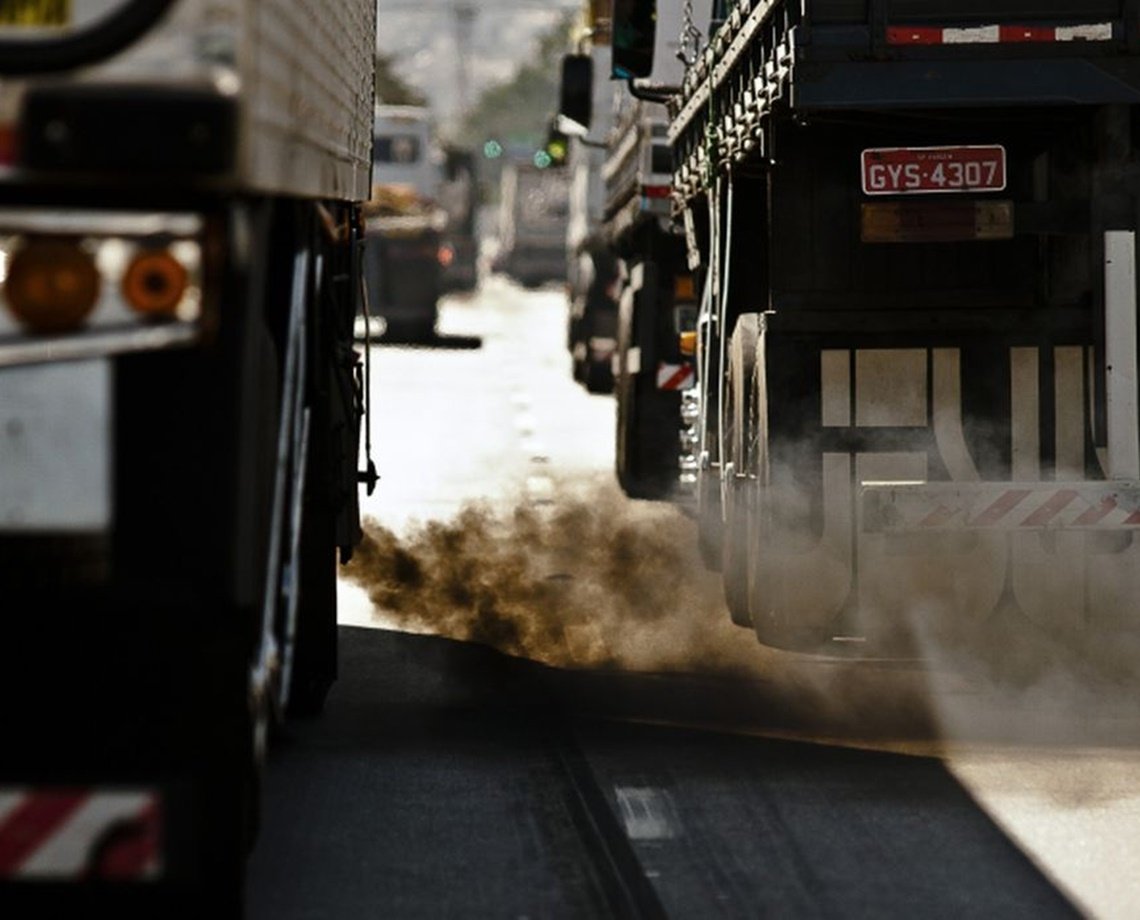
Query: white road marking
[647, 813]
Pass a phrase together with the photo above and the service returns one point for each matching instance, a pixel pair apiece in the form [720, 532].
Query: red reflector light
[913, 35]
[1027, 34]
[8, 145]
[656, 191]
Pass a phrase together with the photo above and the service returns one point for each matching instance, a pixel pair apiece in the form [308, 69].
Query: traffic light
[557, 146]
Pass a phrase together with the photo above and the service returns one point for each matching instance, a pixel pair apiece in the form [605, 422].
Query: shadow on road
[436, 340]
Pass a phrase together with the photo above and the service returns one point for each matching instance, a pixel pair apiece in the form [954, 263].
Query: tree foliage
[391, 88]
[517, 112]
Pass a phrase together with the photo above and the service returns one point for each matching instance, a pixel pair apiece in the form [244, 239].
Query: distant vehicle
[534, 211]
[459, 197]
[405, 223]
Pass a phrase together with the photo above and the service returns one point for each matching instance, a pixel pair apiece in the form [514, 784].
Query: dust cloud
[589, 581]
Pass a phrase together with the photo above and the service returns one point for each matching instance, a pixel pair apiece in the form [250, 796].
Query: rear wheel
[793, 580]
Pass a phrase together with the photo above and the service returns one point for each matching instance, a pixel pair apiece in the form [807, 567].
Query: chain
[690, 37]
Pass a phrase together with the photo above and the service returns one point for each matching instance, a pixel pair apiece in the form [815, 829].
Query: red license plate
[922, 170]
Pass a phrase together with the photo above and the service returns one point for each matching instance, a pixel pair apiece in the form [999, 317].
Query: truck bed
[776, 56]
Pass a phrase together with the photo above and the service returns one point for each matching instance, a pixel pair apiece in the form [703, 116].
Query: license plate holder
[933, 170]
[55, 447]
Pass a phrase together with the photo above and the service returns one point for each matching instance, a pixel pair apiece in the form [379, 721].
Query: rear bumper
[1000, 506]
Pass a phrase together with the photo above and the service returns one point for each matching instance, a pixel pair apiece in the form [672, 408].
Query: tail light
[52, 284]
[154, 283]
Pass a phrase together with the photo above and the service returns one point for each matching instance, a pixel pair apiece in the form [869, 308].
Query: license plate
[925, 170]
[35, 13]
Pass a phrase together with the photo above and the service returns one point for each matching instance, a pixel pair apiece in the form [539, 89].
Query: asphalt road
[632, 753]
[434, 786]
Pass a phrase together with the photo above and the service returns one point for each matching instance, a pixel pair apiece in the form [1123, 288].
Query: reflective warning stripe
[998, 34]
[892, 507]
[676, 376]
[79, 834]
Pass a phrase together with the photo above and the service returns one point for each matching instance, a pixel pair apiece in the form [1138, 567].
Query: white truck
[180, 413]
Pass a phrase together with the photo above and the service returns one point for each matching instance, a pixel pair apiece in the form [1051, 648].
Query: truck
[626, 338]
[533, 211]
[181, 406]
[459, 196]
[914, 229]
[405, 224]
[593, 271]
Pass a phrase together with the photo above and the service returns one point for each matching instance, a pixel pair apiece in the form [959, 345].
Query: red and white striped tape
[676, 376]
[997, 34]
[77, 835]
[992, 506]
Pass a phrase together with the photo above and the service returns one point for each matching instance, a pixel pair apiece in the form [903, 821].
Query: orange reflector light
[688, 343]
[446, 255]
[154, 283]
[936, 221]
[683, 288]
[52, 285]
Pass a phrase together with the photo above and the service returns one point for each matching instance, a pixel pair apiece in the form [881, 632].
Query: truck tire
[780, 618]
[315, 645]
[647, 449]
[739, 438]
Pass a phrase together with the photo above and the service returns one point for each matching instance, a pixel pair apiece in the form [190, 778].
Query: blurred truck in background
[405, 224]
[627, 334]
[180, 413]
[593, 269]
[459, 196]
[533, 213]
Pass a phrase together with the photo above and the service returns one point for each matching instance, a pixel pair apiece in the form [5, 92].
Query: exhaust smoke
[590, 581]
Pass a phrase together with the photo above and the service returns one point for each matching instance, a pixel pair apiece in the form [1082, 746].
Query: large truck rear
[915, 224]
[534, 209]
[180, 408]
[405, 223]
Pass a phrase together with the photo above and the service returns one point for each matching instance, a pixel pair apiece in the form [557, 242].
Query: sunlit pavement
[1058, 770]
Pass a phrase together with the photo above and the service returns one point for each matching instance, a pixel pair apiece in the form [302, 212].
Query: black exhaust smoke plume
[586, 582]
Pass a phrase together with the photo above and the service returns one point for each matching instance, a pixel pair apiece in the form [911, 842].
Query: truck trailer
[533, 213]
[180, 416]
[914, 227]
[638, 254]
